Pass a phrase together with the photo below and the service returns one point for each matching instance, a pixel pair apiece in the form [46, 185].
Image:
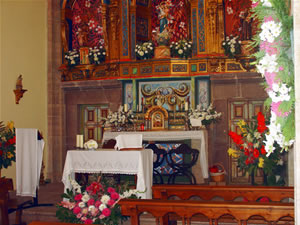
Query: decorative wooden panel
[91, 122]
[244, 109]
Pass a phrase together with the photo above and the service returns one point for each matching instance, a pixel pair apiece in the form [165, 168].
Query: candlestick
[125, 107]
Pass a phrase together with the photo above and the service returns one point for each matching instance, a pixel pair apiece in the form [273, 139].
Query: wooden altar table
[198, 137]
[114, 162]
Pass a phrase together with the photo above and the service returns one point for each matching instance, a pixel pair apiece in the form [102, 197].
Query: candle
[186, 106]
[125, 107]
[77, 141]
[81, 141]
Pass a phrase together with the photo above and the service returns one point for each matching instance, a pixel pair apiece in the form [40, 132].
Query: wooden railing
[211, 212]
[227, 193]
[214, 212]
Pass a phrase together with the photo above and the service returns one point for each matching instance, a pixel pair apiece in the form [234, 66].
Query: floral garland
[275, 64]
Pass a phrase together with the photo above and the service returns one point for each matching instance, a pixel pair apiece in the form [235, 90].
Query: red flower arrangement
[7, 144]
[250, 152]
[95, 204]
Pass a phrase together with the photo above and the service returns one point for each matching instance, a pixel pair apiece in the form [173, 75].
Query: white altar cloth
[111, 161]
[172, 136]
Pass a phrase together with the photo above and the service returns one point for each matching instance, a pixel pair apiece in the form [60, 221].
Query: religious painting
[202, 92]
[142, 28]
[169, 21]
[238, 21]
[128, 94]
[171, 95]
[87, 29]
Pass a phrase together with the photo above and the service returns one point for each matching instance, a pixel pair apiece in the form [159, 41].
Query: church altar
[114, 162]
[198, 141]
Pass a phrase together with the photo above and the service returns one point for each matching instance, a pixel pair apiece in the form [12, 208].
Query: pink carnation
[111, 190]
[78, 197]
[255, 4]
[268, 19]
[101, 217]
[115, 195]
[83, 218]
[91, 202]
[111, 202]
[88, 221]
[76, 210]
[270, 78]
[275, 109]
[106, 212]
[79, 215]
[97, 204]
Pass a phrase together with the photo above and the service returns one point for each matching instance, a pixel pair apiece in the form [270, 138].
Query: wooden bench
[227, 193]
[9, 205]
[187, 211]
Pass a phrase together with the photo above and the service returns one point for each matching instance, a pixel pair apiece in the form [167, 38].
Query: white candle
[81, 141]
[186, 106]
[125, 107]
[77, 141]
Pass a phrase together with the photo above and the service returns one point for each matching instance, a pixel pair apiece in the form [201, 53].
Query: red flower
[238, 139]
[91, 202]
[115, 195]
[12, 141]
[110, 190]
[247, 161]
[261, 124]
[263, 150]
[246, 151]
[78, 197]
[106, 212]
[213, 169]
[76, 210]
[111, 202]
[256, 153]
[88, 221]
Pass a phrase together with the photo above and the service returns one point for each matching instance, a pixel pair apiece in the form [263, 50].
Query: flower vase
[252, 178]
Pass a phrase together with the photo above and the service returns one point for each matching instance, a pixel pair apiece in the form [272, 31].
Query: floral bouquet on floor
[251, 154]
[7, 144]
[95, 204]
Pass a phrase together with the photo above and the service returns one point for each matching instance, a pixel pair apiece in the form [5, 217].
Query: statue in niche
[162, 34]
[246, 25]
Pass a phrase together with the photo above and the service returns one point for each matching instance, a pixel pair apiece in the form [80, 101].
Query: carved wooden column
[104, 12]
[132, 28]
[214, 26]
[124, 34]
[113, 30]
[194, 23]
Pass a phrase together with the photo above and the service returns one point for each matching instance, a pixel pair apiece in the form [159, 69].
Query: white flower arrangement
[201, 117]
[97, 55]
[90, 144]
[72, 57]
[232, 46]
[276, 66]
[144, 50]
[119, 118]
[181, 49]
